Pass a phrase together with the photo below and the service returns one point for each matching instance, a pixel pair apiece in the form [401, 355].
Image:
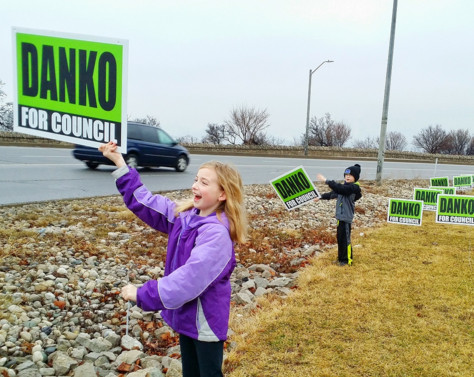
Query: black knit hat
[354, 171]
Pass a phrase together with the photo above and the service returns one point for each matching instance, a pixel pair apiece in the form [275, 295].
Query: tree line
[248, 126]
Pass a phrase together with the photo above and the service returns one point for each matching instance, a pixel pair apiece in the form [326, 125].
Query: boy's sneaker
[342, 263]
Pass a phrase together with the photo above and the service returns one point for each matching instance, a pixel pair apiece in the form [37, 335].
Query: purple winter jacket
[194, 294]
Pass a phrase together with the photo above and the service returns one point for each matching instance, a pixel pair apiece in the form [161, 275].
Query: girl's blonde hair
[230, 181]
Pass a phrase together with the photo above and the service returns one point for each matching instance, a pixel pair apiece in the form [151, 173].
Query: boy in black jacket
[346, 194]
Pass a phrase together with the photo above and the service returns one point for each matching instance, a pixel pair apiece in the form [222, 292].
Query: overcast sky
[191, 62]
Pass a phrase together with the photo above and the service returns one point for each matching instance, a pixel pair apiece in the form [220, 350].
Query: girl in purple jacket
[194, 294]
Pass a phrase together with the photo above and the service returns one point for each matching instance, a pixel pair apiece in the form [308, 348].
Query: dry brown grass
[405, 308]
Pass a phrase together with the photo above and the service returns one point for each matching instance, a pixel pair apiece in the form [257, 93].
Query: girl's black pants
[201, 359]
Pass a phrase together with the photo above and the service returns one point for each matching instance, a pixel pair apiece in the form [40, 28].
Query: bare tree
[6, 111]
[246, 124]
[215, 134]
[149, 119]
[470, 147]
[456, 142]
[273, 140]
[317, 132]
[187, 139]
[325, 132]
[430, 139]
[395, 141]
[367, 143]
[340, 134]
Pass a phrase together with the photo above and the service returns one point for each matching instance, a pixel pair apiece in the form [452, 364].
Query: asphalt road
[30, 174]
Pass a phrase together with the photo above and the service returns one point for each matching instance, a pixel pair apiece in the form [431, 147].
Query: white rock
[260, 291]
[15, 309]
[175, 369]
[148, 372]
[243, 298]
[85, 370]
[129, 357]
[130, 343]
[37, 356]
[26, 336]
[49, 296]
[47, 371]
[248, 284]
[280, 282]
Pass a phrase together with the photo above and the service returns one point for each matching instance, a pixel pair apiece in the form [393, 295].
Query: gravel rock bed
[63, 264]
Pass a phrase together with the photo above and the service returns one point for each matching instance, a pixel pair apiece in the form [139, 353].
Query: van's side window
[150, 134]
[165, 138]
[133, 132]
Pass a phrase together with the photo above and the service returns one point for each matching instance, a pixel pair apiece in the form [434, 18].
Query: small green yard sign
[463, 182]
[429, 197]
[406, 212]
[295, 188]
[439, 181]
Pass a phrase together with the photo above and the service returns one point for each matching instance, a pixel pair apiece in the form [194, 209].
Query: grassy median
[405, 308]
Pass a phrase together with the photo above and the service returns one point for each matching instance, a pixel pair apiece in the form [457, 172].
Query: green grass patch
[405, 308]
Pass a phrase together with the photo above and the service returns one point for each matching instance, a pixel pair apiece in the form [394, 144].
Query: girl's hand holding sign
[110, 151]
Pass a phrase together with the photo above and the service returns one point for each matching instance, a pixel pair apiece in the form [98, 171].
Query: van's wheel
[181, 163]
[92, 165]
[132, 160]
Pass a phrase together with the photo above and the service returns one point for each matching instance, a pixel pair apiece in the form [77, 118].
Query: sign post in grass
[70, 87]
[295, 188]
[405, 212]
[455, 209]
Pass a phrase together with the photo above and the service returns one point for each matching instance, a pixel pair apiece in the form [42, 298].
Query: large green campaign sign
[455, 209]
[406, 212]
[429, 197]
[70, 87]
[463, 181]
[295, 188]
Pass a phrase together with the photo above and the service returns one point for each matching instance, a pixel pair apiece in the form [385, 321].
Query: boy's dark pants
[344, 247]
[201, 359]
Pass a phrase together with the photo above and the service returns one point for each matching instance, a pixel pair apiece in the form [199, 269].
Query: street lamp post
[311, 71]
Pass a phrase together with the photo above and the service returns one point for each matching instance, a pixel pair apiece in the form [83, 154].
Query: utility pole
[388, 78]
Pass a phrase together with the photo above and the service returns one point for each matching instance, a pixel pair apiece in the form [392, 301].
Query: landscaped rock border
[63, 263]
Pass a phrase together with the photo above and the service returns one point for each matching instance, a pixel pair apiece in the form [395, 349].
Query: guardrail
[13, 138]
